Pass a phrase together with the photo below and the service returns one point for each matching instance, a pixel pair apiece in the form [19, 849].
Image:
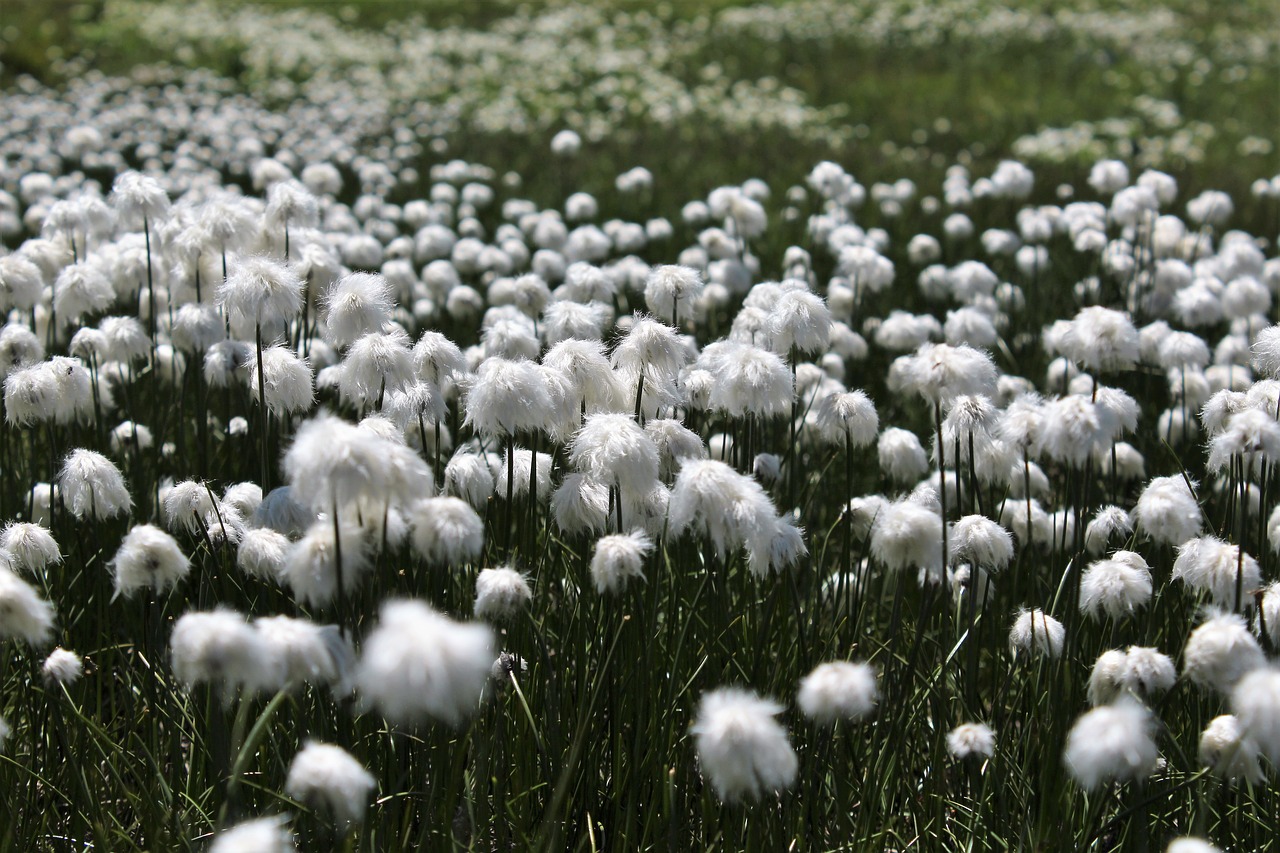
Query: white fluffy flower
[446, 531]
[1220, 652]
[23, 613]
[1115, 587]
[1111, 742]
[1035, 632]
[1225, 749]
[838, 690]
[329, 777]
[92, 486]
[1256, 702]
[971, 740]
[619, 558]
[1208, 564]
[1167, 511]
[220, 648]
[264, 835]
[62, 667]
[419, 664]
[501, 593]
[148, 558]
[740, 746]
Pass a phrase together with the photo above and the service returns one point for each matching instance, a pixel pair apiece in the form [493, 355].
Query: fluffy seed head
[740, 746]
[971, 740]
[838, 690]
[618, 559]
[418, 664]
[1111, 742]
[327, 776]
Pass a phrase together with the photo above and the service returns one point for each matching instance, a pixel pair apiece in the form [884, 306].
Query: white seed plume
[418, 664]
[327, 776]
[740, 746]
[1111, 743]
[838, 690]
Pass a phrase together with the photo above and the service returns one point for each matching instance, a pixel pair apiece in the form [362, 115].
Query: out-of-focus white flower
[740, 746]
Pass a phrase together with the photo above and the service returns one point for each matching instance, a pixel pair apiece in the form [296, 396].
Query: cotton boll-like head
[614, 449]
[1036, 633]
[501, 594]
[468, 476]
[741, 747]
[311, 569]
[259, 293]
[839, 690]
[150, 559]
[618, 559]
[263, 553]
[418, 664]
[221, 649]
[1256, 703]
[1116, 588]
[32, 546]
[62, 668]
[308, 653]
[327, 776]
[24, 614]
[446, 531]
[1228, 751]
[264, 835]
[979, 540]
[908, 535]
[971, 740]
[92, 486]
[1111, 742]
[1208, 564]
[1167, 511]
[1220, 652]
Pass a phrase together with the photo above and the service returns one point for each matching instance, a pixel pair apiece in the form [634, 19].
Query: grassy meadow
[625, 426]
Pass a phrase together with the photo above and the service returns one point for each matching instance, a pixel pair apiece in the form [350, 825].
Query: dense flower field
[362, 493]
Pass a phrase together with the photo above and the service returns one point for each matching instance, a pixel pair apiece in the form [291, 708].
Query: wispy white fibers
[264, 835]
[307, 653]
[501, 594]
[418, 664]
[1256, 702]
[1220, 652]
[148, 558]
[92, 486]
[328, 777]
[446, 531]
[839, 690]
[1208, 564]
[1116, 587]
[1228, 751]
[1036, 633]
[971, 740]
[221, 649]
[743, 750]
[1167, 511]
[908, 534]
[1144, 672]
[1111, 743]
[940, 372]
[23, 613]
[618, 559]
[730, 507]
[32, 546]
[615, 450]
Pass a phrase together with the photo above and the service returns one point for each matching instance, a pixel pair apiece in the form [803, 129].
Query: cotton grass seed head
[263, 835]
[838, 691]
[1111, 743]
[62, 668]
[1220, 652]
[1036, 633]
[92, 486]
[741, 747]
[148, 559]
[618, 559]
[24, 614]
[971, 740]
[327, 777]
[221, 649]
[501, 593]
[1226, 750]
[418, 664]
[31, 546]
[446, 531]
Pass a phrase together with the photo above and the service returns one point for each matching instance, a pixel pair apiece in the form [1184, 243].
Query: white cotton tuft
[418, 664]
[1256, 702]
[92, 486]
[907, 534]
[1167, 511]
[306, 653]
[741, 747]
[31, 546]
[971, 740]
[1036, 633]
[501, 594]
[148, 559]
[1226, 750]
[1111, 743]
[838, 691]
[62, 668]
[446, 531]
[23, 613]
[221, 649]
[1210, 565]
[1117, 587]
[619, 559]
[264, 835]
[1220, 652]
[328, 777]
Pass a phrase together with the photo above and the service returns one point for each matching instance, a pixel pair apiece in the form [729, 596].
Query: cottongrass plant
[389, 473]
